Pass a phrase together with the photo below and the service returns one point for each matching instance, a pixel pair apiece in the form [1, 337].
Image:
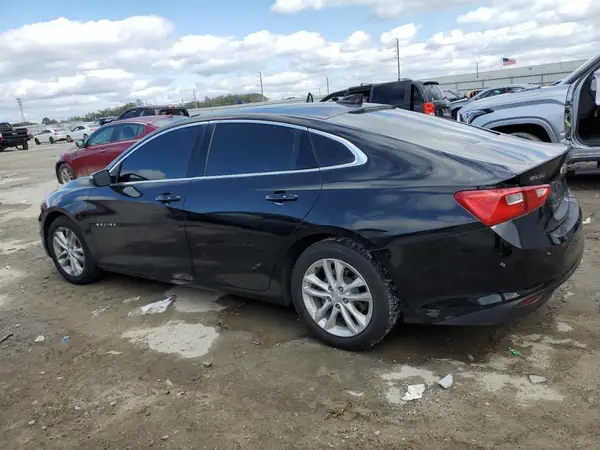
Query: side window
[130, 114]
[417, 97]
[329, 152]
[127, 131]
[148, 112]
[240, 148]
[102, 136]
[165, 157]
[389, 93]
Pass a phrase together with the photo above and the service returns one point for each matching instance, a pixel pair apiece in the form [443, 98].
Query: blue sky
[230, 17]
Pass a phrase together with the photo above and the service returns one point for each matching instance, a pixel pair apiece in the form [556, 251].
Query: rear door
[396, 93]
[435, 95]
[257, 183]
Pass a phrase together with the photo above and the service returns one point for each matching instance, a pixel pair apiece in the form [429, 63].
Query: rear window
[173, 111]
[164, 122]
[435, 90]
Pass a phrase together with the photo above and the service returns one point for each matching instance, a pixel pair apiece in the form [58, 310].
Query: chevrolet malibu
[357, 215]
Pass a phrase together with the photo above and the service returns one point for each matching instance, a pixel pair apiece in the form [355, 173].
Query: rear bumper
[479, 277]
[582, 155]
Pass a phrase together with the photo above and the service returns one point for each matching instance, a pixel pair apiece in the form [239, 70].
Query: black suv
[421, 96]
[153, 110]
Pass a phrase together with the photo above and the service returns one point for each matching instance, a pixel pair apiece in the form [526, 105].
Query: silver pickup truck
[567, 112]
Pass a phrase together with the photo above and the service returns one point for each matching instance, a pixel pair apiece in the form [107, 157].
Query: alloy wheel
[337, 297]
[69, 251]
[66, 174]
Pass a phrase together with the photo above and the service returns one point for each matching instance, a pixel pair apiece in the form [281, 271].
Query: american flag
[508, 61]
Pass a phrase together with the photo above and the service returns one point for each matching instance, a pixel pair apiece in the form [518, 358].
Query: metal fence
[479, 83]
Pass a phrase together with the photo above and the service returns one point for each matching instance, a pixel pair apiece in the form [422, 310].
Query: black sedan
[358, 215]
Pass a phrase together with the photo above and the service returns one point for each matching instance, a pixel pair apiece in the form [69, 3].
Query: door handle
[167, 198]
[281, 196]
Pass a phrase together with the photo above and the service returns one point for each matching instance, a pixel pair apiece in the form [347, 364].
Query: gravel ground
[225, 372]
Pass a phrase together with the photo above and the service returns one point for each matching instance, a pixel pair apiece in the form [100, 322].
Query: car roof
[146, 120]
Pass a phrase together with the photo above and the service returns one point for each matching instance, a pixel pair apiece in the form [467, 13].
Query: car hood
[504, 100]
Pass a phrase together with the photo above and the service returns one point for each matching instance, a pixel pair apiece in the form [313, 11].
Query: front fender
[492, 123]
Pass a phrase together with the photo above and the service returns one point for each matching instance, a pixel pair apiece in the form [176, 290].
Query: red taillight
[429, 108]
[494, 206]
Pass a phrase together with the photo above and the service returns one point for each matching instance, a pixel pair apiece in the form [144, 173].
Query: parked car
[142, 111]
[51, 135]
[566, 112]
[455, 106]
[358, 215]
[104, 145]
[421, 96]
[80, 132]
[13, 137]
[103, 120]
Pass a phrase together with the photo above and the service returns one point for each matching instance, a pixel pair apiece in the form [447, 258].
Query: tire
[2, 149]
[90, 272]
[36, 141]
[85, 136]
[25, 145]
[65, 173]
[385, 304]
[69, 139]
[528, 136]
[51, 140]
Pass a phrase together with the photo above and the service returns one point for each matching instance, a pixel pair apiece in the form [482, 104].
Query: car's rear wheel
[70, 252]
[85, 136]
[37, 142]
[25, 145]
[69, 138]
[51, 140]
[528, 136]
[343, 295]
[65, 173]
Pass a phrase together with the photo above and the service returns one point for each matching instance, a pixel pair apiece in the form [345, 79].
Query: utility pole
[195, 99]
[477, 69]
[398, 56]
[327, 85]
[262, 93]
[20, 103]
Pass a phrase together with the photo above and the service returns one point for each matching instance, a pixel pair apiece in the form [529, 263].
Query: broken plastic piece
[414, 392]
[155, 308]
[587, 221]
[514, 352]
[447, 381]
[535, 379]
[66, 339]
[40, 338]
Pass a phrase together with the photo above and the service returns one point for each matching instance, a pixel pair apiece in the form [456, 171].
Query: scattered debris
[207, 363]
[470, 357]
[31, 422]
[154, 308]
[514, 352]
[256, 342]
[8, 267]
[585, 222]
[40, 338]
[7, 336]
[60, 378]
[113, 403]
[96, 312]
[355, 393]
[535, 379]
[447, 381]
[169, 382]
[165, 437]
[17, 325]
[563, 327]
[77, 408]
[377, 433]
[113, 352]
[131, 299]
[502, 264]
[66, 339]
[414, 392]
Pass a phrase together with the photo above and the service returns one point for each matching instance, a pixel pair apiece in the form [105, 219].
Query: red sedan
[105, 144]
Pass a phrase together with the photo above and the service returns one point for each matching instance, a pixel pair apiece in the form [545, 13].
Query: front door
[90, 157]
[137, 223]
[261, 180]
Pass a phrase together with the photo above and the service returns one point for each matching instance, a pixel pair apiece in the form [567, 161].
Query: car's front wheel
[70, 252]
[51, 140]
[65, 173]
[343, 295]
[69, 138]
[37, 142]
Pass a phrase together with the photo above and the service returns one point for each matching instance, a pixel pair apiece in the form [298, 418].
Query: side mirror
[101, 178]
[80, 143]
[597, 79]
[309, 98]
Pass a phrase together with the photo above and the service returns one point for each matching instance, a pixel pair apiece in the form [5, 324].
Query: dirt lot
[228, 373]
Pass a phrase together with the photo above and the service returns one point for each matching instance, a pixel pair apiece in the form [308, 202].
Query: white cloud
[381, 9]
[63, 67]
